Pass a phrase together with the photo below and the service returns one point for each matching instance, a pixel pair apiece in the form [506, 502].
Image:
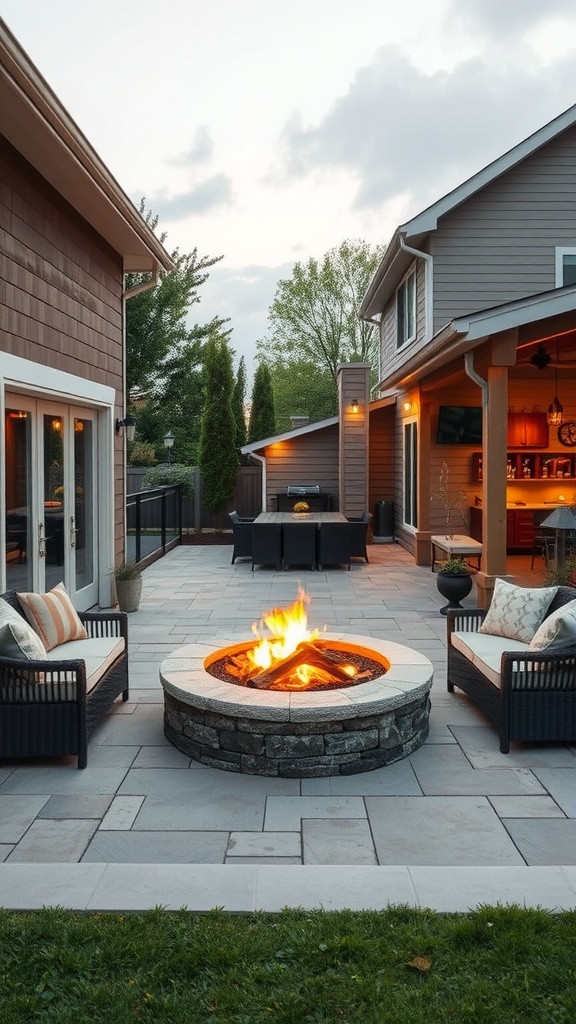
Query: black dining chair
[242, 536]
[358, 534]
[267, 544]
[299, 544]
[334, 544]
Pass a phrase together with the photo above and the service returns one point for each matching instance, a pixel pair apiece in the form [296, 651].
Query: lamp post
[561, 519]
[169, 444]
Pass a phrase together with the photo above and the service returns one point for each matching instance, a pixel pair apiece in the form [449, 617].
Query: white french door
[51, 507]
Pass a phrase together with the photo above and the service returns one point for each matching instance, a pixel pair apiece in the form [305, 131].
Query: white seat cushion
[98, 653]
[485, 651]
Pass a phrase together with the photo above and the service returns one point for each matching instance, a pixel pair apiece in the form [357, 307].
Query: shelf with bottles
[532, 466]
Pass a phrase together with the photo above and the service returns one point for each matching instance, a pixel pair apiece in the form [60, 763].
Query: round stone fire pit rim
[182, 674]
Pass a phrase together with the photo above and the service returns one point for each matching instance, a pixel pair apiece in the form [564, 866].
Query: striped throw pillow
[53, 616]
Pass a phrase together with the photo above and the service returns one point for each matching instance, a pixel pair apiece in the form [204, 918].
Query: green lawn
[495, 965]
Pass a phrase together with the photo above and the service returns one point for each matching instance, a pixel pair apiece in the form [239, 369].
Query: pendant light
[555, 409]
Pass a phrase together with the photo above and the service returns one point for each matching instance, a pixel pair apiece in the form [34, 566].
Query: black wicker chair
[299, 544]
[358, 534]
[57, 717]
[543, 711]
[334, 544]
[267, 544]
[242, 535]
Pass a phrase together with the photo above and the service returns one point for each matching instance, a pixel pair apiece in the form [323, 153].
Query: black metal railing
[153, 523]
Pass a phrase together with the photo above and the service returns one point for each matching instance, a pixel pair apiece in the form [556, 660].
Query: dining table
[300, 517]
[297, 538]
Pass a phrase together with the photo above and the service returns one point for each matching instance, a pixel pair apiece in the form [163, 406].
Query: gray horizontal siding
[310, 459]
[500, 244]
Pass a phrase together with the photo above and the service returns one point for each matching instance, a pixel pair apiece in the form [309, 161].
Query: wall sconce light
[129, 424]
[169, 444]
[407, 406]
[355, 405]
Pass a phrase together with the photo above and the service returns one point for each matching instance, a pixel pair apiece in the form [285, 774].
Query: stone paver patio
[454, 824]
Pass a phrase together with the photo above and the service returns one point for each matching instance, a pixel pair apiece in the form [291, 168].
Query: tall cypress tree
[238, 403]
[262, 413]
[218, 461]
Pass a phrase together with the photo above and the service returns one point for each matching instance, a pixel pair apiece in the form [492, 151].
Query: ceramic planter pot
[453, 588]
[128, 593]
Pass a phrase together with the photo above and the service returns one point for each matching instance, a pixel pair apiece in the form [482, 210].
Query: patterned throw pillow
[8, 613]
[53, 616]
[18, 640]
[557, 631]
[517, 612]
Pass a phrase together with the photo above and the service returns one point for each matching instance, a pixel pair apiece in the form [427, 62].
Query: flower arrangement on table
[301, 506]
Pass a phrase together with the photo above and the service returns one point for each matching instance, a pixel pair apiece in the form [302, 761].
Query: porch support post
[495, 431]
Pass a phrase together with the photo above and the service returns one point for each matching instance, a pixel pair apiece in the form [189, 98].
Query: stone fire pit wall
[315, 733]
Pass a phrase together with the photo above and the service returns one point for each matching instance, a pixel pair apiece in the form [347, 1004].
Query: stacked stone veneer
[310, 734]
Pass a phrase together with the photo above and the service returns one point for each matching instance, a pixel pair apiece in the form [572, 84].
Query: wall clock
[567, 433]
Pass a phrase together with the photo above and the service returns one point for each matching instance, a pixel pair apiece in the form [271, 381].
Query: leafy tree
[262, 412]
[302, 389]
[218, 461]
[164, 354]
[314, 318]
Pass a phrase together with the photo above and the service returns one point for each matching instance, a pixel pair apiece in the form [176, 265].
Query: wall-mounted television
[459, 424]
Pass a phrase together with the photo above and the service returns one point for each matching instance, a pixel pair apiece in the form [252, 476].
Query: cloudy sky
[268, 131]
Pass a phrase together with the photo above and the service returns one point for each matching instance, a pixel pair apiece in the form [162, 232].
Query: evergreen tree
[238, 406]
[262, 413]
[218, 461]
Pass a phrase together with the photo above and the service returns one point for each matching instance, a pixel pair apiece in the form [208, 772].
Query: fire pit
[325, 704]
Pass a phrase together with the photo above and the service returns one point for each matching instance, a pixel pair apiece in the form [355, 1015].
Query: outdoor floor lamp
[169, 444]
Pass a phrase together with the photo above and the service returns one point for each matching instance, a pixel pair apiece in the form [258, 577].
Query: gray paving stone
[31, 886]
[64, 780]
[439, 830]
[394, 780]
[336, 887]
[121, 813]
[161, 757]
[456, 890]
[542, 841]
[525, 807]
[5, 850]
[561, 784]
[481, 746]
[144, 728]
[157, 848]
[49, 841]
[17, 815]
[337, 841]
[286, 813]
[174, 886]
[264, 844]
[445, 771]
[75, 807]
[263, 860]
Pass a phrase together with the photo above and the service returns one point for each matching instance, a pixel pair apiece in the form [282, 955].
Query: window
[406, 310]
[565, 266]
[411, 474]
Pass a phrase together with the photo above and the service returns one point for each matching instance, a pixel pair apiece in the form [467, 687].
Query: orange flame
[289, 627]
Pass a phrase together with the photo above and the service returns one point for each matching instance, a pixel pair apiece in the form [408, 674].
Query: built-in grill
[302, 490]
[310, 493]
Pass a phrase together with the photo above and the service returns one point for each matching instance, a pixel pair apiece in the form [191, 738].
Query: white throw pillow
[18, 640]
[557, 631]
[9, 614]
[517, 612]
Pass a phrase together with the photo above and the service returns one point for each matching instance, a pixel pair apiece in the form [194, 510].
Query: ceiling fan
[542, 359]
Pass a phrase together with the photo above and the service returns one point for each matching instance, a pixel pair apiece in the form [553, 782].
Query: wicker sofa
[528, 695]
[49, 708]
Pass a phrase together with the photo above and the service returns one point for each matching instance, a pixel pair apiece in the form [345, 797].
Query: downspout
[262, 460]
[482, 384]
[429, 275]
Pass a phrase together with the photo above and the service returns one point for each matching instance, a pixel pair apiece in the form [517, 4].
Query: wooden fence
[247, 499]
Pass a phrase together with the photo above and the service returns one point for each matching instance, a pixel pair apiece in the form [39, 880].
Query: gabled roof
[288, 435]
[415, 229]
[466, 332]
[36, 124]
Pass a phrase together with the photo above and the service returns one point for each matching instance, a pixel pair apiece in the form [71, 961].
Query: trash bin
[383, 528]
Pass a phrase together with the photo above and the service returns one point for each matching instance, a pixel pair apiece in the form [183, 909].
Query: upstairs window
[406, 310]
[565, 266]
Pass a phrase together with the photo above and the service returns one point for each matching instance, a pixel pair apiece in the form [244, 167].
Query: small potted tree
[128, 582]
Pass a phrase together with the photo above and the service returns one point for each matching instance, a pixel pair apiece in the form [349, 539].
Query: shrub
[172, 475]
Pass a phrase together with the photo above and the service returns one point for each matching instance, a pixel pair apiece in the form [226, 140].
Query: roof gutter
[130, 293]
[428, 282]
[482, 384]
[262, 460]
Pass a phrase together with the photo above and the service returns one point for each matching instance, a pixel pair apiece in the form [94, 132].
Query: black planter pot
[453, 588]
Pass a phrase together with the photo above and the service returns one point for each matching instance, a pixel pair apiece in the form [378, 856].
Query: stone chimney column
[353, 401]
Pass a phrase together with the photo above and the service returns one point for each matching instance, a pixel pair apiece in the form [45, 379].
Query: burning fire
[291, 658]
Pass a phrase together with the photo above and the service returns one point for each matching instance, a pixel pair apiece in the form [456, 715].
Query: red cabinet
[527, 430]
[519, 527]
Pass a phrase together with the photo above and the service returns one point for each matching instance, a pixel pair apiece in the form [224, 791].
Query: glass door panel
[53, 512]
[82, 527]
[18, 498]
